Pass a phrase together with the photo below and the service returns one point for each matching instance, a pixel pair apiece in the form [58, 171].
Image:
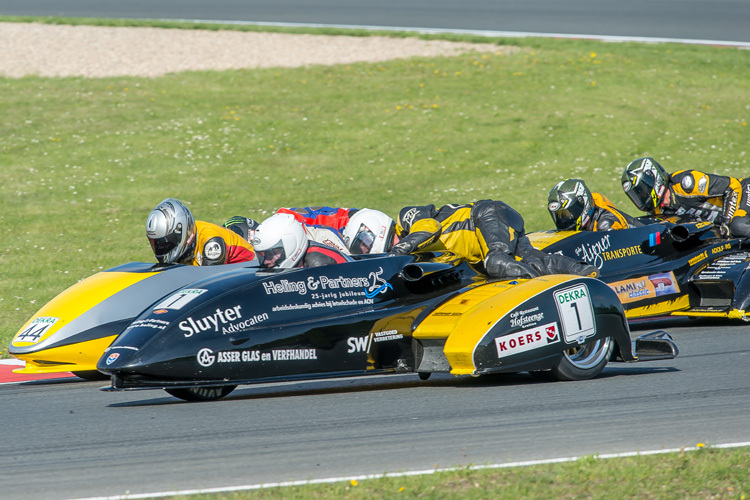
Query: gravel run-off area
[97, 51]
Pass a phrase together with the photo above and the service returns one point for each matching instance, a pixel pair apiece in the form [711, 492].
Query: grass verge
[716, 474]
[83, 161]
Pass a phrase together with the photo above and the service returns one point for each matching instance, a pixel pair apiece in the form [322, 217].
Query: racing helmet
[645, 182]
[170, 229]
[280, 241]
[369, 231]
[570, 204]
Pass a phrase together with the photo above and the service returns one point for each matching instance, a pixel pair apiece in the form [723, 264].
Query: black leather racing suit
[488, 234]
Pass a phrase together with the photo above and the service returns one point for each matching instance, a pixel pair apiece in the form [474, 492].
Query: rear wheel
[584, 361]
[201, 393]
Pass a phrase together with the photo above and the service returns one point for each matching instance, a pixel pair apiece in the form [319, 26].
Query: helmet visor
[273, 256]
[363, 241]
[641, 193]
[162, 246]
[566, 220]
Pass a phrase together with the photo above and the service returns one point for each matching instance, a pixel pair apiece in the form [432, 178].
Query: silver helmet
[170, 228]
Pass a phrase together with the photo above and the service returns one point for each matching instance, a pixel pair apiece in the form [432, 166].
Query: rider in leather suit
[488, 234]
[715, 198]
[574, 208]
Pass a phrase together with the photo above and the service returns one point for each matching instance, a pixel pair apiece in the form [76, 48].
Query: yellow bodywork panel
[78, 299]
[543, 239]
[464, 320]
[667, 307]
[75, 357]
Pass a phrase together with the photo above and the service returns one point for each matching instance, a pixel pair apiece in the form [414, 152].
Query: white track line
[485, 33]
[228, 489]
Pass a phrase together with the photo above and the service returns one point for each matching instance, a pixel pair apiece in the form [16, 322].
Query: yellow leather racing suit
[218, 245]
[719, 199]
[489, 234]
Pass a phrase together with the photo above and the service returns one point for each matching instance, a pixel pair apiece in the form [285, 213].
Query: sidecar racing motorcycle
[199, 332]
[664, 268]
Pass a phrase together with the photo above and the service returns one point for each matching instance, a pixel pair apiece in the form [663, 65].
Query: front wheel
[201, 393]
[584, 361]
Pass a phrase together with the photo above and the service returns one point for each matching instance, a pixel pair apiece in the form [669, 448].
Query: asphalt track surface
[720, 20]
[67, 439]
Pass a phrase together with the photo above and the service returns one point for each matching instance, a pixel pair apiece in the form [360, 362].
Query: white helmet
[170, 228]
[280, 241]
[369, 231]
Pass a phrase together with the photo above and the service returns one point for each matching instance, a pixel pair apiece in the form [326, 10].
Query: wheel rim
[588, 355]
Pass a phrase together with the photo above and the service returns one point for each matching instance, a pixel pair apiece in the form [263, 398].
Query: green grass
[83, 161]
[704, 474]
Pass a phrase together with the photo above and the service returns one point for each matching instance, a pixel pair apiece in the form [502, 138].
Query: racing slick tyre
[585, 361]
[201, 393]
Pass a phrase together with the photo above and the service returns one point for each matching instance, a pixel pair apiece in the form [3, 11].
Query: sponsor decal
[326, 287]
[378, 286]
[363, 344]
[387, 335]
[698, 258]
[179, 299]
[220, 318]
[112, 358]
[654, 239]
[554, 206]
[36, 329]
[719, 268]
[620, 253]
[526, 340]
[408, 218]
[721, 248]
[212, 250]
[664, 283]
[592, 253]
[633, 289]
[207, 323]
[161, 311]
[576, 313]
[245, 324]
[156, 324]
[528, 317]
[293, 354]
[644, 287]
[206, 357]
[359, 344]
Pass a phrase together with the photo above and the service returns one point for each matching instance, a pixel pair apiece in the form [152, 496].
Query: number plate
[576, 313]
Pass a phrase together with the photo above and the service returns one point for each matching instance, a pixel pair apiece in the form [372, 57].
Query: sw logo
[359, 344]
